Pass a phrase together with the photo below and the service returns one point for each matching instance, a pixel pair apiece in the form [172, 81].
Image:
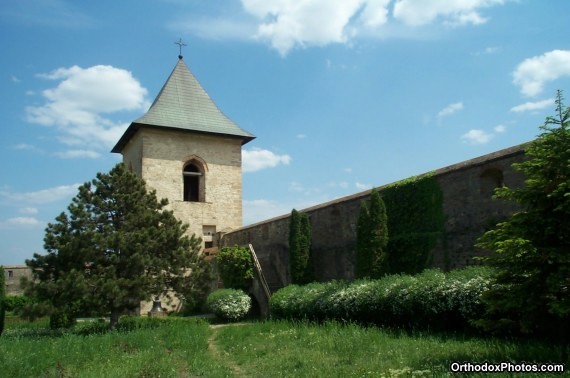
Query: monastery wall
[467, 204]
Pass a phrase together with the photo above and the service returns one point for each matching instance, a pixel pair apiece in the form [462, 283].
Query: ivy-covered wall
[415, 222]
[433, 220]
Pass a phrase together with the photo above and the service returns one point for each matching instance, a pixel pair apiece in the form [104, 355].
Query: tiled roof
[184, 105]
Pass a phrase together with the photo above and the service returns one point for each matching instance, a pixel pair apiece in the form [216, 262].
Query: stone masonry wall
[13, 274]
[159, 157]
[467, 204]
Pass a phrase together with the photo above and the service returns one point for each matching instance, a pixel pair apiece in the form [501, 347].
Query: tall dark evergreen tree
[300, 257]
[363, 241]
[372, 238]
[2, 296]
[532, 248]
[116, 246]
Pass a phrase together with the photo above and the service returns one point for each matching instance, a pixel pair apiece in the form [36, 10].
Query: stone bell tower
[187, 150]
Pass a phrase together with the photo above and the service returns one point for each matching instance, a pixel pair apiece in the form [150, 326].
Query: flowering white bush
[431, 299]
[229, 304]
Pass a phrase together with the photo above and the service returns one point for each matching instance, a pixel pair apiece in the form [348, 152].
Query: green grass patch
[299, 349]
[178, 347]
[190, 347]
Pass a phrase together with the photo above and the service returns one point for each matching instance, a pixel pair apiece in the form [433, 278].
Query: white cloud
[23, 221]
[26, 147]
[41, 196]
[257, 159]
[290, 23]
[261, 209]
[78, 104]
[297, 187]
[301, 136]
[15, 79]
[73, 154]
[529, 106]
[488, 51]
[361, 186]
[450, 109]
[533, 73]
[51, 13]
[29, 210]
[476, 136]
[500, 129]
[452, 13]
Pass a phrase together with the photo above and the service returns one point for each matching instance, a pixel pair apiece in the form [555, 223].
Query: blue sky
[342, 95]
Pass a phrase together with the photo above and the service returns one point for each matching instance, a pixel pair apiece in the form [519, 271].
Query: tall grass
[298, 349]
[191, 348]
[177, 348]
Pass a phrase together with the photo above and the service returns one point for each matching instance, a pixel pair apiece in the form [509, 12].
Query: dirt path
[237, 372]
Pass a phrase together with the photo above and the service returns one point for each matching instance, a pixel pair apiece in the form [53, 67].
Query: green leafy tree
[116, 246]
[532, 248]
[300, 256]
[2, 297]
[235, 265]
[372, 238]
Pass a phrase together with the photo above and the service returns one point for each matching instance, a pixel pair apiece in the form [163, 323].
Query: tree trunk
[115, 314]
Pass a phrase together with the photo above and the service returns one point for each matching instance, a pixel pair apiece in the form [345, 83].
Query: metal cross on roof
[180, 44]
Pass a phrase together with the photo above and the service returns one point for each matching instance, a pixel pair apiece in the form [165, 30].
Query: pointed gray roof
[183, 104]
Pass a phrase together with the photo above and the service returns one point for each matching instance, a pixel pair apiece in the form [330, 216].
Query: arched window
[193, 183]
[490, 179]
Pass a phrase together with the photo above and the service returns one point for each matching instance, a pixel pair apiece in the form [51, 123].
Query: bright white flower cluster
[229, 304]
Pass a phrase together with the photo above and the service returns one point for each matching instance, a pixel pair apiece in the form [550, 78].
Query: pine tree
[116, 246]
[372, 238]
[300, 257]
[532, 248]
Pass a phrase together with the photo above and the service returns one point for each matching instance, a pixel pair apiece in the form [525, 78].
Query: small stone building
[187, 150]
[12, 275]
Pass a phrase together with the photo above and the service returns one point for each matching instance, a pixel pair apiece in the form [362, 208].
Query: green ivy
[416, 222]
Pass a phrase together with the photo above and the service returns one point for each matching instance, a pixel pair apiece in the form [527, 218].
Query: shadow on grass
[89, 327]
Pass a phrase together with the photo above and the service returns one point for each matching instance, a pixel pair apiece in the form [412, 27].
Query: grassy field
[191, 348]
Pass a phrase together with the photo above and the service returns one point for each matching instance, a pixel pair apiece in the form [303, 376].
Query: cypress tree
[372, 238]
[379, 237]
[300, 257]
[363, 241]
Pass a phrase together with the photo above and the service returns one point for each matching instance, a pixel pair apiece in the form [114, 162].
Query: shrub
[92, 327]
[431, 299]
[14, 303]
[235, 265]
[229, 304]
[61, 319]
[304, 302]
